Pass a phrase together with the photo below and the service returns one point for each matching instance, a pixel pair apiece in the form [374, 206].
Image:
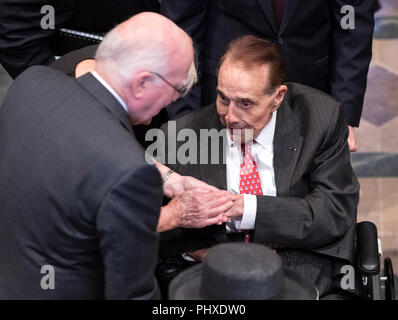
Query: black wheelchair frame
[377, 282]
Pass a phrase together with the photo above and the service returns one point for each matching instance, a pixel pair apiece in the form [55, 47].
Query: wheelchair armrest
[367, 248]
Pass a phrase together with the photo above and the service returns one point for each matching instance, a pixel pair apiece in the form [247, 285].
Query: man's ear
[279, 96]
[141, 81]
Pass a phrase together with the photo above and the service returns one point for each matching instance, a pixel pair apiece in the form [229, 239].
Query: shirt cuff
[249, 212]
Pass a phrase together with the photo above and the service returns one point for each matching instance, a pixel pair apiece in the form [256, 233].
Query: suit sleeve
[23, 43]
[126, 223]
[350, 57]
[191, 16]
[329, 209]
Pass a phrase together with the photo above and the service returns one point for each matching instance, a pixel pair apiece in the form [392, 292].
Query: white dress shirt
[111, 90]
[263, 153]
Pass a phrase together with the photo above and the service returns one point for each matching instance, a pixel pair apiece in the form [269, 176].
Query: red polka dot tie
[250, 182]
[249, 178]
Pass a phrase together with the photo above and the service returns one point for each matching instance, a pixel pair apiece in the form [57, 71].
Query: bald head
[145, 41]
[153, 27]
[149, 61]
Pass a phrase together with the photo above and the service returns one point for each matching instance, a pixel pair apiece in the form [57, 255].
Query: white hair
[191, 79]
[124, 58]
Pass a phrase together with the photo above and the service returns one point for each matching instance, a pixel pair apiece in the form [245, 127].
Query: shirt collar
[110, 89]
[265, 137]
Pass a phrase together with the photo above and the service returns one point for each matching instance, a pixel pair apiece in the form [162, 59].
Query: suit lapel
[267, 7]
[221, 168]
[102, 95]
[291, 6]
[214, 174]
[268, 10]
[288, 141]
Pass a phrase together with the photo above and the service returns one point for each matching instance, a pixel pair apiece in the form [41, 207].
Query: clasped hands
[195, 204]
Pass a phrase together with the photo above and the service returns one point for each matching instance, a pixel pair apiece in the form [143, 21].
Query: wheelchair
[375, 282]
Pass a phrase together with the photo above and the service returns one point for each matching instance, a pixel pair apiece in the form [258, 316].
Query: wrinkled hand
[196, 208]
[237, 208]
[177, 184]
[352, 140]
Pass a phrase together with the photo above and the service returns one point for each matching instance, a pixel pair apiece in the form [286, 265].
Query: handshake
[195, 204]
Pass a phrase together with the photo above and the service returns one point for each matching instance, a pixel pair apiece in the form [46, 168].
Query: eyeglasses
[181, 91]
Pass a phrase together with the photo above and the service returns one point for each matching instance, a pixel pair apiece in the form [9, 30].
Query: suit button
[280, 41]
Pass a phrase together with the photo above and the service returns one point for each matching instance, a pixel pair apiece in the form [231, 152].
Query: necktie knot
[246, 150]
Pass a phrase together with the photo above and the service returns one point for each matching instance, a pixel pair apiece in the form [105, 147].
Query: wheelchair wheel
[389, 274]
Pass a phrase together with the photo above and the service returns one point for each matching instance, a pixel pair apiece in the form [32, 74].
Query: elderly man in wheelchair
[281, 149]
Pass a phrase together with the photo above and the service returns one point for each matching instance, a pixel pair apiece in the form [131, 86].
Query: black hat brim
[186, 286]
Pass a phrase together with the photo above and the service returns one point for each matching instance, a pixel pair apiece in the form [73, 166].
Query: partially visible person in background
[318, 51]
[24, 43]
[77, 62]
[377, 5]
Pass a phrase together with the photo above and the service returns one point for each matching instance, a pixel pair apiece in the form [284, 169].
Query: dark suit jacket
[75, 193]
[317, 190]
[23, 43]
[318, 52]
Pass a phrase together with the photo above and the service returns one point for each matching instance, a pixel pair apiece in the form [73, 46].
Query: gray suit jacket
[75, 193]
[317, 190]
